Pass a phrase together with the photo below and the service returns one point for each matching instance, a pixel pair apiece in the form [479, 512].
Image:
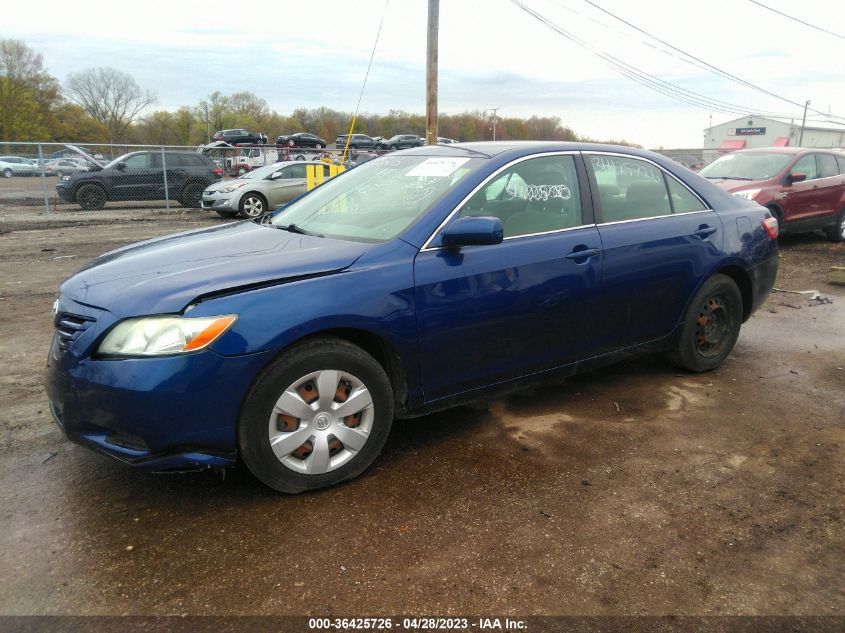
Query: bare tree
[110, 96]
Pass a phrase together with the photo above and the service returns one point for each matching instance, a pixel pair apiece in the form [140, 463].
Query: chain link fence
[49, 179]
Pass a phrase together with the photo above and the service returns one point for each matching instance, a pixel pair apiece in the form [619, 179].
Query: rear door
[831, 185]
[286, 184]
[658, 240]
[488, 314]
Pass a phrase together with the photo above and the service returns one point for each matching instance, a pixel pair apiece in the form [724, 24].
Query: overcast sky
[492, 54]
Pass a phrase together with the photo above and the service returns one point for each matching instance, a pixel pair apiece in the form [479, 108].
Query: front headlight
[65, 177]
[159, 335]
[231, 188]
[748, 194]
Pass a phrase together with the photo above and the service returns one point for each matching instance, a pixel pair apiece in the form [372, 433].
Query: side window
[806, 165]
[827, 166]
[297, 171]
[629, 189]
[841, 161]
[532, 196]
[683, 201]
[175, 160]
[138, 161]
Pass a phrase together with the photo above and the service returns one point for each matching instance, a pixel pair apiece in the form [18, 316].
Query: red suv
[803, 188]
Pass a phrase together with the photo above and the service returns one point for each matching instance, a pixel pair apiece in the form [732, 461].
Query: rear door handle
[704, 231]
[583, 254]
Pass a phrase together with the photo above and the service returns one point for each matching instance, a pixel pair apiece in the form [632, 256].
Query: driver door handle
[704, 231]
[583, 254]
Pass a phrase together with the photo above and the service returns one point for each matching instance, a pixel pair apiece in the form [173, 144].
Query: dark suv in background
[401, 141]
[240, 136]
[140, 176]
[358, 141]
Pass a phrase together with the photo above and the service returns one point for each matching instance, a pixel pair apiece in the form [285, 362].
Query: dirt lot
[631, 490]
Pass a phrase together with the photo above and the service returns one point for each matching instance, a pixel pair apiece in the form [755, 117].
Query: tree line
[105, 105]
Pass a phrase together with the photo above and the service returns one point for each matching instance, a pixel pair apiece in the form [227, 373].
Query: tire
[226, 214]
[393, 148]
[252, 205]
[191, 196]
[91, 197]
[59, 174]
[353, 147]
[315, 447]
[300, 157]
[711, 326]
[7, 173]
[837, 233]
[319, 146]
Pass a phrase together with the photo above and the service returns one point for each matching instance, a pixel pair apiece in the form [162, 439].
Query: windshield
[261, 172]
[378, 200]
[117, 160]
[756, 166]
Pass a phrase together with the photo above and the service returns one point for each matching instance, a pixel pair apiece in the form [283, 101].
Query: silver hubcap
[842, 227]
[253, 206]
[321, 421]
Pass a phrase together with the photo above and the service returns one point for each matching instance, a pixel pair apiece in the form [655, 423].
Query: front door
[488, 314]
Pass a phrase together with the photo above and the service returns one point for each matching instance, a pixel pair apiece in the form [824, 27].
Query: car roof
[526, 148]
[779, 150]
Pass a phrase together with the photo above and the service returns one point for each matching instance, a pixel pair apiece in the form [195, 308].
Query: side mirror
[472, 231]
[796, 177]
[121, 166]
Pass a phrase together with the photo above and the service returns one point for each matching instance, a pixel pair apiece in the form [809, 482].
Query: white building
[756, 131]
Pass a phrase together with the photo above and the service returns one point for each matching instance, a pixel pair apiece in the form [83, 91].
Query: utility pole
[431, 73]
[494, 111]
[803, 121]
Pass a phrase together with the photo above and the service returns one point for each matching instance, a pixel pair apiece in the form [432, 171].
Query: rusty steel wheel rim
[712, 326]
[321, 421]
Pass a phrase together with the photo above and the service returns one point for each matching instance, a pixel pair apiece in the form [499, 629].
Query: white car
[260, 190]
[17, 166]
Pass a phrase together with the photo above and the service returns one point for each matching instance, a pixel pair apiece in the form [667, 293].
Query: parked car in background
[358, 141]
[301, 139]
[401, 141]
[140, 176]
[260, 190]
[61, 166]
[446, 141]
[803, 188]
[408, 284]
[240, 136]
[17, 166]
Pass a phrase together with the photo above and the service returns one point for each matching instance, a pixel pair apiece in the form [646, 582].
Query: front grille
[70, 327]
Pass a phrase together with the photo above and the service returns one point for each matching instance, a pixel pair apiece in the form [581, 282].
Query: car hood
[166, 274]
[229, 183]
[730, 185]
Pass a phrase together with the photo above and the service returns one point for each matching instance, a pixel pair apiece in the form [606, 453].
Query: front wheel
[252, 205]
[91, 197]
[711, 326]
[319, 415]
[837, 233]
[7, 173]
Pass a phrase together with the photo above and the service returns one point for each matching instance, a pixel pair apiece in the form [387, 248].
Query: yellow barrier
[315, 173]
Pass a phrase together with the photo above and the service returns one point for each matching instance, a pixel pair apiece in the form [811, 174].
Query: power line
[812, 26]
[716, 70]
[640, 76]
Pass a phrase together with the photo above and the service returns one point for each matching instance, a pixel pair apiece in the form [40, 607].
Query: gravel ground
[635, 489]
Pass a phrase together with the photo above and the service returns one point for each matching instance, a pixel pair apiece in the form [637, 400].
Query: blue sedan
[412, 283]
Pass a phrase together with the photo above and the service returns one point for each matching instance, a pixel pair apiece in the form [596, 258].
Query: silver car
[260, 190]
[16, 166]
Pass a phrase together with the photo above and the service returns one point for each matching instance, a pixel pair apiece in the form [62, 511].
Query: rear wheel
[91, 197]
[837, 233]
[319, 415]
[711, 326]
[252, 205]
[191, 196]
[7, 173]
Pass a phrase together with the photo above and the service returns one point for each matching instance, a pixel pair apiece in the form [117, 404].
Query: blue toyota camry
[411, 283]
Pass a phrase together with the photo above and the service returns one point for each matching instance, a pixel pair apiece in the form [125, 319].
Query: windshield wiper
[292, 228]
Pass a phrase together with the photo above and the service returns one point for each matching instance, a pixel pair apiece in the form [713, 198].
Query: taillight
[770, 225]
[218, 171]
